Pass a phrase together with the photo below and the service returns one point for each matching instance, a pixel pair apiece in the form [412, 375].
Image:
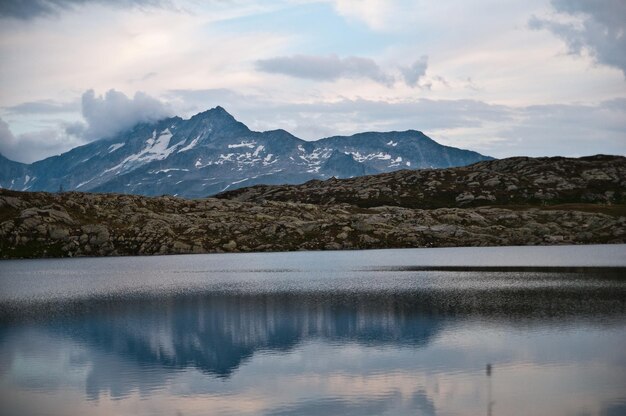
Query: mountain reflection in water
[383, 341]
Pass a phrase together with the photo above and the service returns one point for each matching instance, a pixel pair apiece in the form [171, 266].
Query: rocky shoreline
[38, 224]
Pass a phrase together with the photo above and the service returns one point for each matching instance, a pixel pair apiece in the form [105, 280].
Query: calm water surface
[495, 331]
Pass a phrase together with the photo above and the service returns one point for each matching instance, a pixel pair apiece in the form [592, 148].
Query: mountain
[16, 172]
[212, 152]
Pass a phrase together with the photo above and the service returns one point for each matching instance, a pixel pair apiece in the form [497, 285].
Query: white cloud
[103, 115]
[483, 61]
[44, 107]
[377, 14]
[497, 130]
[325, 68]
[30, 9]
[412, 74]
[114, 112]
[6, 136]
[600, 29]
[36, 145]
[333, 68]
[98, 47]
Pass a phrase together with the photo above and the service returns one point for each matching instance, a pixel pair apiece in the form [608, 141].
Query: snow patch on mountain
[223, 158]
[84, 183]
[362, 158]
[395, 162]
[191, 145]
[169, 170]
[258, 150]
[242, 144]
[27, 179]
[114, 147]
[157, 148]
[315, 158]
[243, 180]
[268, 159]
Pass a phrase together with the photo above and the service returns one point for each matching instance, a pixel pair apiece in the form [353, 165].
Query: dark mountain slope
[212, 152]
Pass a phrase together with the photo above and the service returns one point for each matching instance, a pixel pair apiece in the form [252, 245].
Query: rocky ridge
[512, 181]
[586, 206]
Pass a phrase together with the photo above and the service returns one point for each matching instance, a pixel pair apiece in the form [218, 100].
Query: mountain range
[212, 152]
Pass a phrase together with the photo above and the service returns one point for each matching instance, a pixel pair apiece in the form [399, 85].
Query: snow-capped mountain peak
[212, 152]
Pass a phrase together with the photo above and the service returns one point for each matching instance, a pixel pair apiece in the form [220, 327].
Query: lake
[452, 331]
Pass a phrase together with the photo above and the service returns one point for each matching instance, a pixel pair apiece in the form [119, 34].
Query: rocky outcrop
[514, 181]
[517, 201]
[82, 224]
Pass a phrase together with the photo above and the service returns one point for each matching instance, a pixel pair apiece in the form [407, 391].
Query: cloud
[325, 68]
[377, 14]
[144, 77]
[30, 9]
[497, 130]
[36, 145]
[104, 117]
[567, 129]
[599, 29]
[415, 72]
[332, 67]
[114, 112]
[44, 107]
[6, 136]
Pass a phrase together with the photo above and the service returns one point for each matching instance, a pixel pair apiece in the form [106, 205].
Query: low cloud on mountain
[103, 115]
[108, 114]
[32, 146]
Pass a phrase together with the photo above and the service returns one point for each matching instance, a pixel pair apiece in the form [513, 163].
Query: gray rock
[230, 246]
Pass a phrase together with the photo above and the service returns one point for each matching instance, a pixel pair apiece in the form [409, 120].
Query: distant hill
[517, 180]
[212, 152]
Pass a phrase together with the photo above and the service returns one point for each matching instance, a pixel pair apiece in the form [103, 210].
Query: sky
[502, 77]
